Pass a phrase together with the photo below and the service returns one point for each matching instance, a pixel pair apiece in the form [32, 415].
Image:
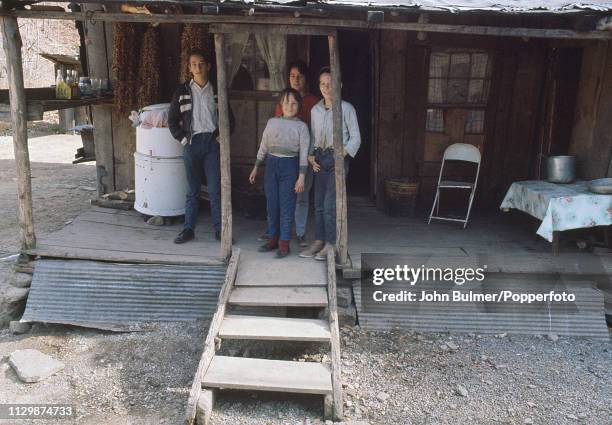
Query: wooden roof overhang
[305, 25]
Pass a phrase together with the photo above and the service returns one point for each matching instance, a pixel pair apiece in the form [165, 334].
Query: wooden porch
[507, 241]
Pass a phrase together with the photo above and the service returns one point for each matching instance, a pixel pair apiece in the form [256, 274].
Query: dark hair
[293, 92]
[324, 70]
[300, 66]
[200, 52]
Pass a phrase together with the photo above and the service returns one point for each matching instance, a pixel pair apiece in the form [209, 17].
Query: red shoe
[283, 249]
[270, 245]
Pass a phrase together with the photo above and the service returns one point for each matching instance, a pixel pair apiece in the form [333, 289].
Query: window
[253, 72]
[458, 79]
[435, 120]
[474, 122]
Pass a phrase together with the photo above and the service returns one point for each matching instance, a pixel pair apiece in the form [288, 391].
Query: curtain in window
[273, 49]
[235, 44]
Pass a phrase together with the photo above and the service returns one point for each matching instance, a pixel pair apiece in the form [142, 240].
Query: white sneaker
[322, 255]
[312, 250]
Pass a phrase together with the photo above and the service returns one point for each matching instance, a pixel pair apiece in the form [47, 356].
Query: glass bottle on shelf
[69, 84]
[59, 83]
[74, 86]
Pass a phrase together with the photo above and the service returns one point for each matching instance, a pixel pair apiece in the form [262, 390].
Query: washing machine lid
[156, 107]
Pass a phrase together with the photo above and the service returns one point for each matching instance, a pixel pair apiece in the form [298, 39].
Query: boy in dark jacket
[193, 121]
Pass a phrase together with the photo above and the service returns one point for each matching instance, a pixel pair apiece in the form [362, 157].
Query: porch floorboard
[123, 236]
[507, 242]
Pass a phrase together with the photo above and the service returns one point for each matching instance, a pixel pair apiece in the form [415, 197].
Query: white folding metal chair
[457, 152]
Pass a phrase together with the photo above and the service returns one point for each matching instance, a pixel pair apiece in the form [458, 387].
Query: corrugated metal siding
[121, 296]
[588, 321]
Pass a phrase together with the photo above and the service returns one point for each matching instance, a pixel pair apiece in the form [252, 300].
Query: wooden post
[341, 211]
[102, 116]
[204, 407]
[334, 329]
[11, 40]
[224, 135]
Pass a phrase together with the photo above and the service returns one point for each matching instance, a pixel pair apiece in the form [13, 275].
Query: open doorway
[356, 69]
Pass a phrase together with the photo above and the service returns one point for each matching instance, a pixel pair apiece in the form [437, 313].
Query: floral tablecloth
[559, 206]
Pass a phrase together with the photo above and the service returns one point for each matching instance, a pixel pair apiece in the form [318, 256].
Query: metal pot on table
[561, 168]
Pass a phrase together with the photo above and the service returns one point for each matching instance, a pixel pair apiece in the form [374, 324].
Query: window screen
[459, 77]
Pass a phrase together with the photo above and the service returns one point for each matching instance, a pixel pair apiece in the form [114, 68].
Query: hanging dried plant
[126, 52]
[194, 36]
[149, 71]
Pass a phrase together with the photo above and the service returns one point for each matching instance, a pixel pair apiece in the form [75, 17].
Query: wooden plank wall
[99, 65]
[401, 109]
[516, 141]
[252, 111]
[592, 135]
[124, 135]
[515, 108]
[512, 116]
[566, 77]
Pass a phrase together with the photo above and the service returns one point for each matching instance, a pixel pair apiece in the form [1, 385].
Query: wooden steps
[274, 328]
[257, 270]
[268, 375]
[279, 296]
[266, 290]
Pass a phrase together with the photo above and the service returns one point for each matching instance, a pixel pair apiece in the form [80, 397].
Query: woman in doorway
[284, 146]
[298, 80]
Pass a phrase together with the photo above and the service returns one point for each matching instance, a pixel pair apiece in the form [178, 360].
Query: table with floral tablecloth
[559, 206]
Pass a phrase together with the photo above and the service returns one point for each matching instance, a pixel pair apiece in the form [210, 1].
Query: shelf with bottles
[43, 99]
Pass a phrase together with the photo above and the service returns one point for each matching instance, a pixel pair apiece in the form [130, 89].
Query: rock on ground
[344, 296]
[352, 423]
[156, 221]
[33, 366]
[347, 315]
[461, 390]
[21, 280]
[18, 328]
[12, 302]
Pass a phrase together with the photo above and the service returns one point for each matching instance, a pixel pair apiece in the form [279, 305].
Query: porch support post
[341, 211]
[99, 66]
[11, 40]
[224, 135]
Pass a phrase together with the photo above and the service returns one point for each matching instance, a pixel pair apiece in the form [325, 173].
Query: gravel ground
[139, 378]
[60, 189]
[442, 379]
[388, 378]
[412, 378]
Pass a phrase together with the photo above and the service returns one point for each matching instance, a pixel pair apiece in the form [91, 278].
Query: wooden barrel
[401, 196]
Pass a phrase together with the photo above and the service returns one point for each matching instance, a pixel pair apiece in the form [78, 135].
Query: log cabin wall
[251, 108]
[518, 122]
[401, 95]
[592, 135]
[515, 117]
[124, 135]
